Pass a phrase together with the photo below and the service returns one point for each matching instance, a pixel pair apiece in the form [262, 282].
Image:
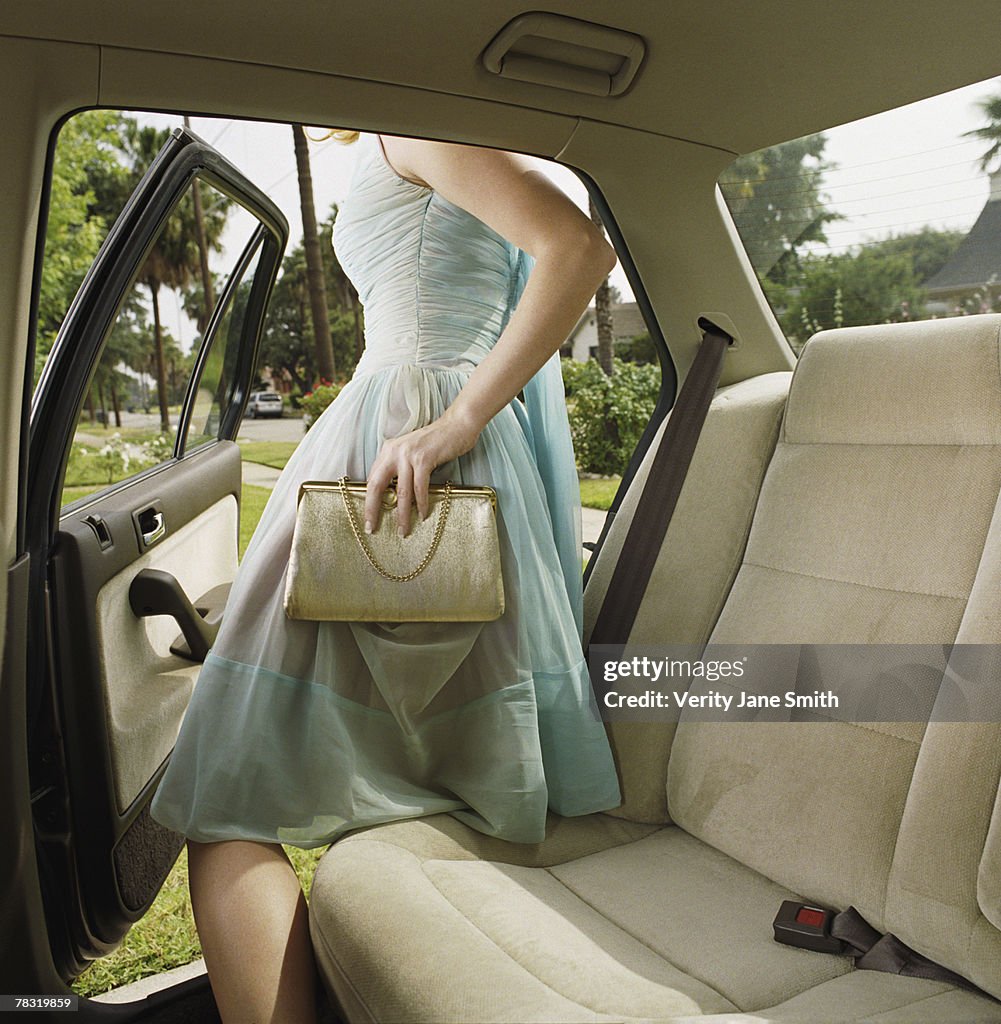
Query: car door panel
[108, 676]
[127, 660]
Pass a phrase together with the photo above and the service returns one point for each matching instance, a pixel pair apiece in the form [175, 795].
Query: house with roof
[971, 278]
[582, 342]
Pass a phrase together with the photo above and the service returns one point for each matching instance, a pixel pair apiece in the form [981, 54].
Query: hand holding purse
[447, 569]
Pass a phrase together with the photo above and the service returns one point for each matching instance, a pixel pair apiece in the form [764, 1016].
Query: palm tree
[176, 256]
[314, 258]
[208, 299]
[345, 294]
[603, 308]
[990, 132]
[125, 346]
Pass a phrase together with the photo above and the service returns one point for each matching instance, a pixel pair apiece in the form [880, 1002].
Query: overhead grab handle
[565, 53]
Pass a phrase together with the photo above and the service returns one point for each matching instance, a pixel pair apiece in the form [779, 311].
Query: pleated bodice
[437, 283]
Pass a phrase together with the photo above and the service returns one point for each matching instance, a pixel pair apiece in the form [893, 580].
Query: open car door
[131, 531]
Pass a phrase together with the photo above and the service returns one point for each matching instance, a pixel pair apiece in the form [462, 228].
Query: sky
[898, 171]
[892, 172]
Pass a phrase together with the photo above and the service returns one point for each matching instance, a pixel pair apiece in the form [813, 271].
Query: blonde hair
[341, 135]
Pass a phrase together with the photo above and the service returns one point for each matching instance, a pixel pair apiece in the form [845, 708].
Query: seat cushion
[871, 998]
[605, 920]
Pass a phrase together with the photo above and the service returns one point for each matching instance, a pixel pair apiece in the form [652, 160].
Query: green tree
[88, 147]
[608, 414]
[175, 261]
[603, 321]
[851, 289]
[872, 283]
[774, 196]
[928, 249]
[639, 349]
[344, 307]
[288, 342]
[208, 292]
[127, 344]
[315, 281]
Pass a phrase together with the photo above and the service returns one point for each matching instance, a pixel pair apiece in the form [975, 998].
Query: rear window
[893, 217]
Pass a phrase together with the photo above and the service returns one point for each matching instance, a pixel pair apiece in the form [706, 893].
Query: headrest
[935, 382]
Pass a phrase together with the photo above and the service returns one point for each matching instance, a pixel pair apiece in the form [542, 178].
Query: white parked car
[265, 403]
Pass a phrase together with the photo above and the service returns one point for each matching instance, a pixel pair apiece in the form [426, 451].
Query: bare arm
[522, 205]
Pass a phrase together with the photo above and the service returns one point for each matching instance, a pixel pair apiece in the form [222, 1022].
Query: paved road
[287, 428]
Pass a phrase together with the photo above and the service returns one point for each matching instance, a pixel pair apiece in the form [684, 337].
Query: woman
[472, 268]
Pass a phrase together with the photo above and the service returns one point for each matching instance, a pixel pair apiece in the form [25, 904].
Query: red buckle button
[810, 916]
[805, 926]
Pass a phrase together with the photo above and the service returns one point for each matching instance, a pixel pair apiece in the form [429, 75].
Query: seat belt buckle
[806, 926]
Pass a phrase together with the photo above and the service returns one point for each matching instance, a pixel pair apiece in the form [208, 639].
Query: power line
[288, 174]
[850, 184]
[781, 210]
[226, 127]
[881, 210]
[853, 167]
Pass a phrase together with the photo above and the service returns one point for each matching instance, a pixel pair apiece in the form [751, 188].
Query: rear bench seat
[856, 505]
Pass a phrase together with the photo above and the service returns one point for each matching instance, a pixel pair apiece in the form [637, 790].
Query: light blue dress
[300, 731]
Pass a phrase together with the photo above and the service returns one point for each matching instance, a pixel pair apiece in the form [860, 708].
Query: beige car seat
[856, 504]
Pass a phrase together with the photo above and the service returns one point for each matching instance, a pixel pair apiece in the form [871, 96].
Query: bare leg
[252, 921]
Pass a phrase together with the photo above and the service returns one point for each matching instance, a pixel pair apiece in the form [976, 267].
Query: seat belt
[659, 497]
[849, 934]
[875, 952]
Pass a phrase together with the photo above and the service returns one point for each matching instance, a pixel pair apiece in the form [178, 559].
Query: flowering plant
[158, 449]
[114, 457]
[315, 401]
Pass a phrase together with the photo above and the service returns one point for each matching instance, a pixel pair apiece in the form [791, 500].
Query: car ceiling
[732, 74]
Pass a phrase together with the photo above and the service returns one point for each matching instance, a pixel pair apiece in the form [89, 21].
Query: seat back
[873, 522]
[696, 565]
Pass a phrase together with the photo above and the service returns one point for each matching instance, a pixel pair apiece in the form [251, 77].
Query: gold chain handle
[439, 527]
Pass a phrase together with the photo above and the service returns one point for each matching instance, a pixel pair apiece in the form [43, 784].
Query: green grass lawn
[268, 453]
[599, 493]
[251, 506]
[72, 493]
[136, 434]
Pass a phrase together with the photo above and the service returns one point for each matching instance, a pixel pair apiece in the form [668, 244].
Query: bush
[639, 349]
[609, 414]
[574, 372]
[315, 401]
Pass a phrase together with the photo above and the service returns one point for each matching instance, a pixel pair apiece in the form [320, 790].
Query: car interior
[847, 494]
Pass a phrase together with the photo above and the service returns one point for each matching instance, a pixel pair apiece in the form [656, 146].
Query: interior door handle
[153, 527]
[155, 592]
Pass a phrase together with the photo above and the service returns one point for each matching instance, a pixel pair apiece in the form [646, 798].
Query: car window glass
[893, 217]
[216, 376]
[129, 419]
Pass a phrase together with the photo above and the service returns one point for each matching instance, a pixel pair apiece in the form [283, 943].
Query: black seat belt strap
[875, 952]
[660, 494]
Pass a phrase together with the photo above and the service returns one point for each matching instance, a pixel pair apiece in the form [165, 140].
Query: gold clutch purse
[447, 569]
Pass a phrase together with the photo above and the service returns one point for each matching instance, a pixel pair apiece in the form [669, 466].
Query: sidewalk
[264, 476]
